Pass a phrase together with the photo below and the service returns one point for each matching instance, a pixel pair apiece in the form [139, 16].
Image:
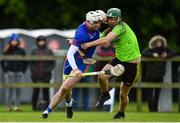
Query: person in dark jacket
[155, 70]
[14, 71]
[41, 70]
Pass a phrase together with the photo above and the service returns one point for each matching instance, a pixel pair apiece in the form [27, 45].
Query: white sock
[69, 104]
[45, 112]
[48, 110]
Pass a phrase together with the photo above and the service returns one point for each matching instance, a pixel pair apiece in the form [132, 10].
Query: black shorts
[131, 72]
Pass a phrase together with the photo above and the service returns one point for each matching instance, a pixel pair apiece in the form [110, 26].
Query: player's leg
[128, 79]
[124, 92]
[104, 84]
[103, 79]
[59, 96]
[123, 99]
[68, 96]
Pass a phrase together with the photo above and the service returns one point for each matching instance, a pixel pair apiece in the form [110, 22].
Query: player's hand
[107, 45]
[77, 73]
[70, 41]
[84, 46]
[89, 61]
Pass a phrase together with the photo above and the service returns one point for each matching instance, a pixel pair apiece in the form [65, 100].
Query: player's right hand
[76, 72]
[84, 46]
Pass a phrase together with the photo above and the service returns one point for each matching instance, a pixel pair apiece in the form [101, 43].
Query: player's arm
[75, 44]
[70, 56]
[101, 41]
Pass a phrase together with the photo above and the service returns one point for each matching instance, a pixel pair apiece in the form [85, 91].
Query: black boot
[100, 103]
[119, 115]
[69, 112]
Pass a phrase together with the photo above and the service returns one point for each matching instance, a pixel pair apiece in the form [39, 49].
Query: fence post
[165, 99]
[139, 98]
[179, 89]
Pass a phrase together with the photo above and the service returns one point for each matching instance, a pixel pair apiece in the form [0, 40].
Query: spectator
[155, 70]
[41, 70]
[14, 71]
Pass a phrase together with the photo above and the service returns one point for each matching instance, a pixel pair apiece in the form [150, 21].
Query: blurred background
[146, 18]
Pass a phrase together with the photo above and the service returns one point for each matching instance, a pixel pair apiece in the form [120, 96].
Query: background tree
[146, 17]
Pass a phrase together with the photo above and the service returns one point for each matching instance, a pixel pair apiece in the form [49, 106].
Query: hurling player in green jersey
[127, 53]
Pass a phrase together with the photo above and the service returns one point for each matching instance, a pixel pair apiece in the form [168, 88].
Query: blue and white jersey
[82, 35]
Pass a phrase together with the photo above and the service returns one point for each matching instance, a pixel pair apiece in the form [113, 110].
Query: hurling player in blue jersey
[75, 65]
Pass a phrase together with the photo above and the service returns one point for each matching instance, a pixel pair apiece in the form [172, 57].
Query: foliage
[146, 17]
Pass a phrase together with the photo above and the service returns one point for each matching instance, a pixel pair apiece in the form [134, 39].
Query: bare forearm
[110, 37]
[98, 42]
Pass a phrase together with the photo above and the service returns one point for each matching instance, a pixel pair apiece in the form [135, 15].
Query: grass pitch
[92, 116]
[89, 117]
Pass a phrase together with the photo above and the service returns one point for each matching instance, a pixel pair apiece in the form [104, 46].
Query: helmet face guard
[93, 16]
[103, 15]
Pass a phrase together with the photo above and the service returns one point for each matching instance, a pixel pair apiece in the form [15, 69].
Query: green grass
[59, 116]
[90, 117]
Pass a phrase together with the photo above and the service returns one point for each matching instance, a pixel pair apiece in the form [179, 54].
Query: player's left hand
[89, 61]
[77, 73]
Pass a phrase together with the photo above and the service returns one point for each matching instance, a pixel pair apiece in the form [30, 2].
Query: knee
[65, 89]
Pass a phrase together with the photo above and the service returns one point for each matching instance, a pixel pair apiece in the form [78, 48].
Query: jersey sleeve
[119, 29]
[79, 38]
